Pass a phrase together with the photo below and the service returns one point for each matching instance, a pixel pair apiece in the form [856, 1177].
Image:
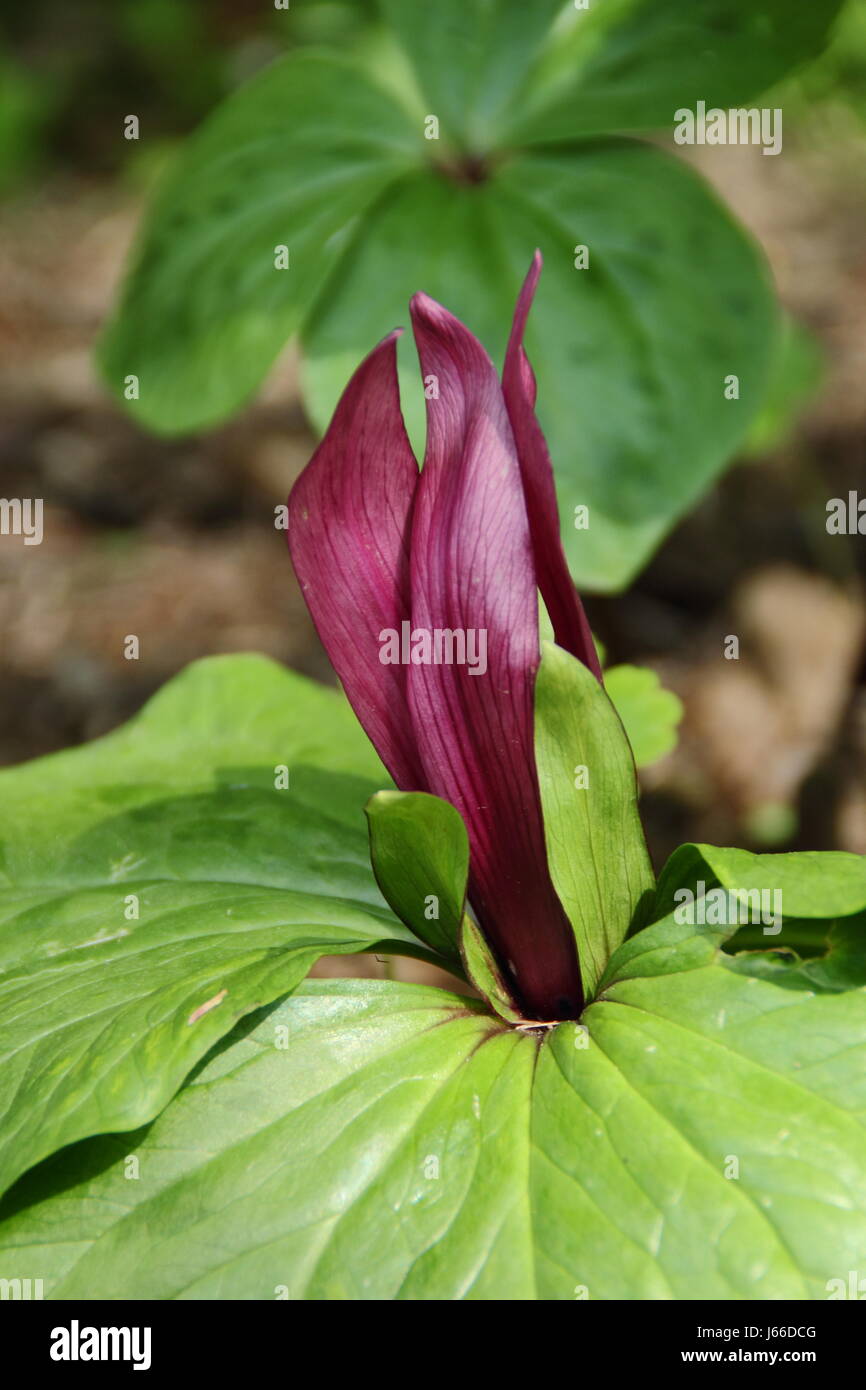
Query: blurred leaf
[26, 102]
[630, 64]
[797, 371]
[171, 30]
[650, 714]
[470, 57]
[292, 159]
[837, 78]
[331, 23]
[174, 41]
[316, 156]
[770, 823]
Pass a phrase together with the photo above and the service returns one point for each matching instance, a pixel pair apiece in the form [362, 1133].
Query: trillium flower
[413, 577]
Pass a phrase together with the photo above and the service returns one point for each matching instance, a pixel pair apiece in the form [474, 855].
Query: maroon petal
[472, 571]
[349, 518]
[570, 626]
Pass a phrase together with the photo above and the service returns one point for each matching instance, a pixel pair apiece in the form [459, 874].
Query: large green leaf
[381, 1154]
[699, 1136]
[675, 298]
[162, 882]
[595, 843]
[470, 57]
[630, 64]
[291, 159]
[689, 1067]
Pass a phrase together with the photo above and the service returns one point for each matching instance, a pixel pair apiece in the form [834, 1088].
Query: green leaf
[595, 844]
[420, 854]
[162, 882]
[419, 846]
[293, 158]
[688, 1067]
[674, 299]
[811, 884]
[630, 64]
[470, 57]
[796, 376]
[685, 868]
[840, 966]
[649, 713]
[28, 100]
[700, 1135]
[381, 1153]
[834, 85]
[482, 970]
[798, 919]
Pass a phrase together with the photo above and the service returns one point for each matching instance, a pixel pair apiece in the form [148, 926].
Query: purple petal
[472, 570]
[570, 626]
[349, 518]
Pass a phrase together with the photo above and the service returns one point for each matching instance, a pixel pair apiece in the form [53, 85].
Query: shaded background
[174, 540]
